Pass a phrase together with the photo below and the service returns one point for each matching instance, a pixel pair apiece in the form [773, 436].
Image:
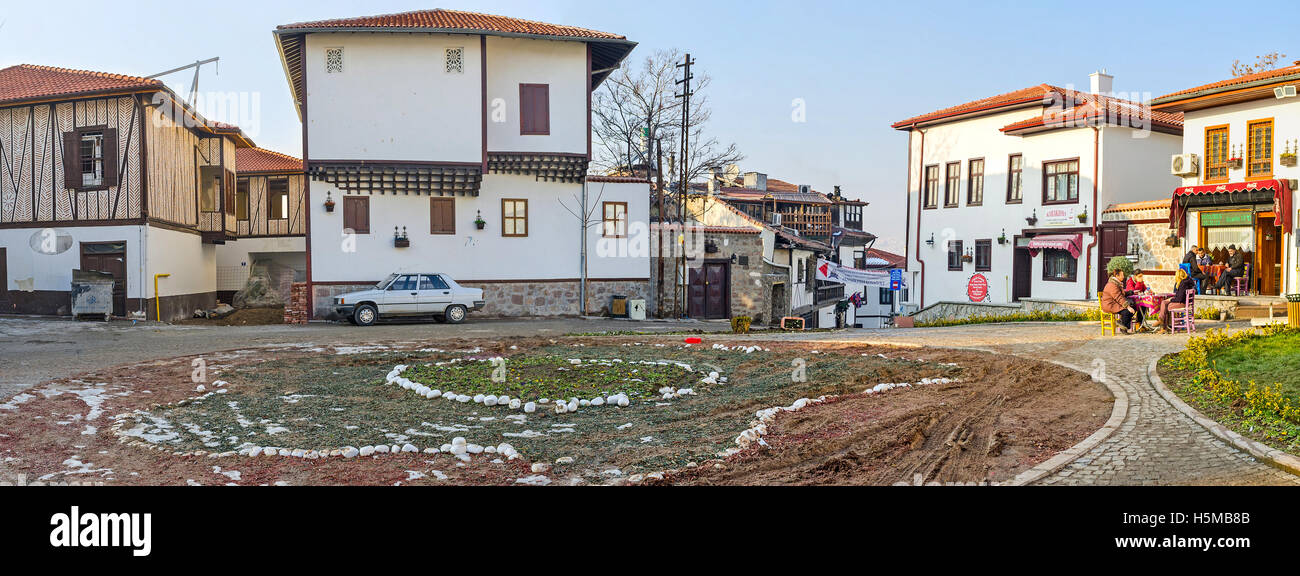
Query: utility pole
[683, 174]
[659, 173]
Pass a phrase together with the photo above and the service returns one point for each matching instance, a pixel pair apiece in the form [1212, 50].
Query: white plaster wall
[1135, 165]
[550, 251]
[619, 257]
[394, 99]
[191, 263]
[33, 270]
[563, 66]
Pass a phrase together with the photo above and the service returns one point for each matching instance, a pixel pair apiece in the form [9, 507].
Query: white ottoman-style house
[1239, 170]
[1004, 193]
[453, 142]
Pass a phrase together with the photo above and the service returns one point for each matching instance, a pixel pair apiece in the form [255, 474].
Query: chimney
[756, 181]
[1102, 83]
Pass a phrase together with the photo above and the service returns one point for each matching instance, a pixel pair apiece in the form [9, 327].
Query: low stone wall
[1059, 306]
[962, 310]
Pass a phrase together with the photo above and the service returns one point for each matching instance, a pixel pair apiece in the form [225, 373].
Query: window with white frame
[455, 61]
[334, 60]
[92, 158]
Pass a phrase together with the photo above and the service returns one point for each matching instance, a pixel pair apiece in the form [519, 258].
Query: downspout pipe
[1096, 211]
[920, 202]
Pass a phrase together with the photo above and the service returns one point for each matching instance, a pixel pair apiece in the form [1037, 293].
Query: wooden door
[710, 291]
[109, 258]
[1267, 272]
[4, 275]
[1022, 279]
[1114, 242]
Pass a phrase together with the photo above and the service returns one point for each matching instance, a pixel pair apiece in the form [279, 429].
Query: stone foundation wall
[513, 299]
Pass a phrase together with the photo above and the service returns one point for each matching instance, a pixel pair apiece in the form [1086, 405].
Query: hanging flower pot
[401, 240]
[1083, 217]
[329, 202]
[479, 222]
[1234, 163]
[1288, 159]
[1172, 241]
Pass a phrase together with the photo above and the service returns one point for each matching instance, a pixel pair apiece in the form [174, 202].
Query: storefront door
[1267, 275]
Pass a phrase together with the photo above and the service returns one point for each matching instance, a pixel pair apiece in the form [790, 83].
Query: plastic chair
[1108, 321]
[1241, 283]
[1188, 269]
[1184, 318]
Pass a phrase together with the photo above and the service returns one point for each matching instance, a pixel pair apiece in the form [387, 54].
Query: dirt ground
[243, 317]
[1004, 416]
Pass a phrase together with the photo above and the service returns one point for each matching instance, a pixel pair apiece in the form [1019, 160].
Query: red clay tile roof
[1232, 82]
[28, 82]
[1040, 93]
[454, 20]
[1097, 107]
[254, 160]
[1161, 204]
[894, 260]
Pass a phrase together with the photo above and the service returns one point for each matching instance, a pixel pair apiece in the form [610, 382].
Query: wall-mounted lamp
[1032, 220]
[930, 242]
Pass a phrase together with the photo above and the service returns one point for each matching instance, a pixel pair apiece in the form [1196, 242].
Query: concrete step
[1256, 311]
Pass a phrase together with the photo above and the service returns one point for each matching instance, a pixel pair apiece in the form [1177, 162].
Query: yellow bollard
[157, 299]
[1293, 310]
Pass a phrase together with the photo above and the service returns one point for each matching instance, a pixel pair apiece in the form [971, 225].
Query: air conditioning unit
[1184, 165]
[776, 219]
[805, 189]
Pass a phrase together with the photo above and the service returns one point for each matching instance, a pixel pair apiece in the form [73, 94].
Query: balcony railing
[829, 293]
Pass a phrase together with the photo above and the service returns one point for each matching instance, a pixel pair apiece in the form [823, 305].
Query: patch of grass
[1270, 359]
[536, 377]
[1253, 390]
[1035, 316]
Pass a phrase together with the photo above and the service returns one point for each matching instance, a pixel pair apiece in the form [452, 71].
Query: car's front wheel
[365, 315]
[456, 314]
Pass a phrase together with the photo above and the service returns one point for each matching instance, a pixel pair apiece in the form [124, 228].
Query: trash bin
[618, 307]
[1293, 310]
[92, 293]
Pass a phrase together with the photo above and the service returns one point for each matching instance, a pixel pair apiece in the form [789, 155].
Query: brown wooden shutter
[534, 109]
[356, 214]
[442, 215]
[111, 162]
[228, 192]
[71, 160]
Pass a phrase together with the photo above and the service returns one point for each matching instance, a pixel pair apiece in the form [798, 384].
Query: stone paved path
[1156, 445]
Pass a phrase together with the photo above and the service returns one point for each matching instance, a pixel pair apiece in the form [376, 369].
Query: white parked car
[404, 295]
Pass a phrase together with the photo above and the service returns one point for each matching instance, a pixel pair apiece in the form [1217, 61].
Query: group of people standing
[1197, 259]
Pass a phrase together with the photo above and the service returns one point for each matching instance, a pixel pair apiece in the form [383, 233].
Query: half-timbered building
[111, 173]
[269, 220]
[459, 143]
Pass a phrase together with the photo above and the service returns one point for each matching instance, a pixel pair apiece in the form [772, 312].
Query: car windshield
[385, 282]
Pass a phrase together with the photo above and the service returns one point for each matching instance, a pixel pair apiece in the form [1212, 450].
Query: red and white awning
[1072, 243]
[1281, 200]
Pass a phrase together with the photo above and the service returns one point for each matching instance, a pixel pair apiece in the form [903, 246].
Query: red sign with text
[978, 288]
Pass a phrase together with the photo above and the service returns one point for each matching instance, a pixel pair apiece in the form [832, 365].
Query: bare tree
[640, 96]
[1262, 63]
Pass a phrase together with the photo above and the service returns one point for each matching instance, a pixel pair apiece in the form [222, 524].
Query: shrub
[1091, 315]
[740, 324]
[1120, 263]
[1266, 405]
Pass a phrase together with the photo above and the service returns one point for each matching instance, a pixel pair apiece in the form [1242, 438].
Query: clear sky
[858, 65]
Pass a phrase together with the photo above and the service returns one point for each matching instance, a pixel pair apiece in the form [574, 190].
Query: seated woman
[1183, 285]
[1113, 301]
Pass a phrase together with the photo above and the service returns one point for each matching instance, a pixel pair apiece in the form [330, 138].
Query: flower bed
[1266, 411]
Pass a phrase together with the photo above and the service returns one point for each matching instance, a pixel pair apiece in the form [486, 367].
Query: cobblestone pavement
[1156, 444]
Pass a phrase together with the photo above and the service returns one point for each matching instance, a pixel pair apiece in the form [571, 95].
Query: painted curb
[1118, 413]
[1262, 452]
